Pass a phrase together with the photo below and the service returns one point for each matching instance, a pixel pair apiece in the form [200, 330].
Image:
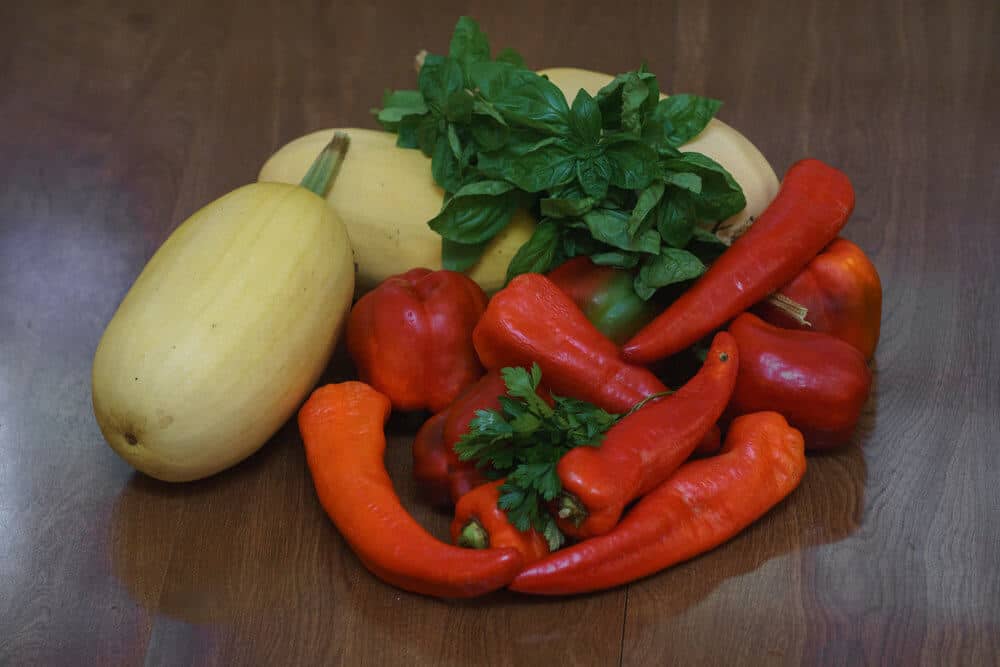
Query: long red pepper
[645, 447]
[532, 320]
[342, 428]
[703, 504]
[809, 211]
[479, 523]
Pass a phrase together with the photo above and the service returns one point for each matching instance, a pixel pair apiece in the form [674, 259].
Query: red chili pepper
[342, 428]
[532, 320]
[820, 383]
[606, 296]
[841, 293]
[703, 504]
[645, 447]
[480, 523]
[411, 337]
[812, 206]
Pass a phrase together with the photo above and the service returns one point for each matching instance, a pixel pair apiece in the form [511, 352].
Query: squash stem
[324, 169]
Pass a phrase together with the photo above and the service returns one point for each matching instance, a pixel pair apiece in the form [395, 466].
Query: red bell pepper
[703, 504]
[841, 295]
[411, 337]
[812, 206]
[645, 447]
[818, 382]
[533, 321]
[443, 477]
[606, 296]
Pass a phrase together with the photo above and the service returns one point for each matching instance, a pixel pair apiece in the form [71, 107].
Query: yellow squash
[385, 195]
[224, 332]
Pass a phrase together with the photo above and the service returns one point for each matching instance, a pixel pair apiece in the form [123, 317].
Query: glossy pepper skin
[606, 296]
[842, 294]
[645, 447]
[442, 476]
[342, 428]
[820, 383]
[809, 211]
[479, 523]
[532, 320]
[411, 337]
[702, 505]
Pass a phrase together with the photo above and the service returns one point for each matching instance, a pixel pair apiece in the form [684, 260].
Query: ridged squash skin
[224, 332]
[385, 195]
[718, 141]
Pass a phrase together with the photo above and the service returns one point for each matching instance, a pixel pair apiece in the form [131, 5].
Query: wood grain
[122, 118]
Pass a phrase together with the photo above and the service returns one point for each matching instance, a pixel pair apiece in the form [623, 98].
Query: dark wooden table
[118, 120]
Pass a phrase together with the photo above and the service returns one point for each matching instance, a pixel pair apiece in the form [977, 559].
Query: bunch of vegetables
[552, 263]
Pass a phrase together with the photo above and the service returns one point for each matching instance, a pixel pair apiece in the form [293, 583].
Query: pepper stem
[570, 508]
[790, 307]
[474, 536]
[324, 169]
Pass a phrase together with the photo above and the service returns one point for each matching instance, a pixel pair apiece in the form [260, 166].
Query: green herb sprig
[605, 174]
[524, 440]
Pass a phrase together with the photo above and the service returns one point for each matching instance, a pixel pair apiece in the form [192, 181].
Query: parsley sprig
[605, 174]
[524, 440]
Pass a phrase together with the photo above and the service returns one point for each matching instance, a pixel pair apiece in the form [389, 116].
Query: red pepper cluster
[792, 312]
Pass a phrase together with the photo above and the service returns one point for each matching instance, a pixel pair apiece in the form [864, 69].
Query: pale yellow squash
[224, 332]
[385, 195]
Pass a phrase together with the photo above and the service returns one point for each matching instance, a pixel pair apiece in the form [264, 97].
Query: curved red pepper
[818, 382]
[606, 296]
[532, 320]
[702, 505]
[645, 447]
[410, 337]
[812, 206]
[842, 294]
[479, 523]
[342, 428]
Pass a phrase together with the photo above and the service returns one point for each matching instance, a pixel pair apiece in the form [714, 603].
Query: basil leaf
[676, 219]
[627, 99]
[511, 57]
[649, 198]
[633, 164]
[618, 258]
[521, 96]
[541, 166]
[487, 133]
[585, 119]
[419, 132]
[721, 196]
[458, 107]
[566, 208]
[468, 43]
[476, 212]
[611, 226]
[539, 253]
[461, 256]
[594, 175]
[684, 180]
[672, 265]
[681, 118]
[398, 104]
[438, 81]
[446, 166]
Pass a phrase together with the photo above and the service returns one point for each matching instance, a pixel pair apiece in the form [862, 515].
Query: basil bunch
[605, 174]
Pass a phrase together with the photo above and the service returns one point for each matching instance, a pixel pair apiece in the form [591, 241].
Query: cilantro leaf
[524, 441]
